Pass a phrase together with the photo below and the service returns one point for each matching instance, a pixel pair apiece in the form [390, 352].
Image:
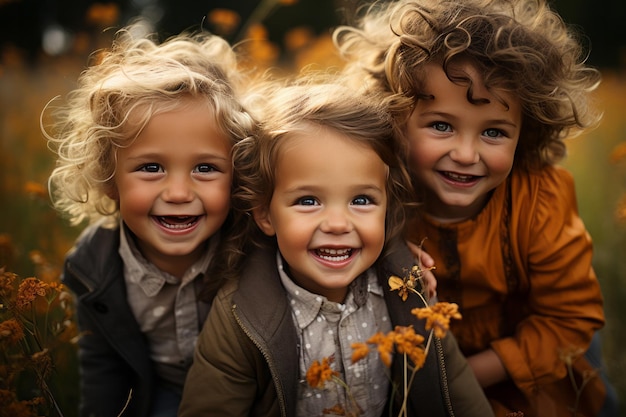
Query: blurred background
[45, 44]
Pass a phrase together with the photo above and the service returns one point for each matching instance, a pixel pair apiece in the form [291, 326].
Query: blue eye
[306, 201]
[151, 167]
[361, 200]
[441, 126]
[493, 133]
[203, 168]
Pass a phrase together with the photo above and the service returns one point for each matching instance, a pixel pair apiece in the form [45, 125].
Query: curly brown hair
[518, 46]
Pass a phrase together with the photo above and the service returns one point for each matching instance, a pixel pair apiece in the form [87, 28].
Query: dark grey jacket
[113, 353]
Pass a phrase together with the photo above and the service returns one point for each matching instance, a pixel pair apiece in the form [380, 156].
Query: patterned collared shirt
[167, 308]
[328, 329]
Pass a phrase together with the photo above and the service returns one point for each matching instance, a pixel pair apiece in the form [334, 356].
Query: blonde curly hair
[136, 79]
[518, 46]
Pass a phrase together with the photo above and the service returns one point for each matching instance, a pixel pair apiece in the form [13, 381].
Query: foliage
[37, 332]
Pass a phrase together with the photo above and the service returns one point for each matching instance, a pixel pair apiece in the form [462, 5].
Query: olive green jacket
[246, 361]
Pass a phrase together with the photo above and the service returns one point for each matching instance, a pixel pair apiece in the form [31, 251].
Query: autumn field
[34, 239]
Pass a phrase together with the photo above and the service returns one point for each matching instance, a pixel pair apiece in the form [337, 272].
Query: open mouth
[453, 176]
[333, 255]
[177, 222]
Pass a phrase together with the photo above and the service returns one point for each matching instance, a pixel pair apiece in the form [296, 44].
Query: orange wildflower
[410, 343]
[359, 351]
[6, 283]
[621, 209]
[35, 189]
[319, 373]
[298, 38]
[438, 317]
[335, 410]
[224, 21]
[11, 331]
[384, 345]
[619, 153]
[103, 14]
[36, 257]
[28, 291]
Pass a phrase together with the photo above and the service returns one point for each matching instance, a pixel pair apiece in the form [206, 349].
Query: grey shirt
[167, 308]
[328, 329]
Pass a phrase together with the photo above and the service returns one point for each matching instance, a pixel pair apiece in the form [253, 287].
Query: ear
[262, 219]
[111, 191]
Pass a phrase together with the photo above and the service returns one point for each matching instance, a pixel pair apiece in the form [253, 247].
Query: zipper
[444, 376]
[268, 359]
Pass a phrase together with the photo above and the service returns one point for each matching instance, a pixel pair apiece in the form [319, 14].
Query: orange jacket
[522, 276]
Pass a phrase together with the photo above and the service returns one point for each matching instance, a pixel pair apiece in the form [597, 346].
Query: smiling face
[461, 151]
[327, 209]
[173, 185]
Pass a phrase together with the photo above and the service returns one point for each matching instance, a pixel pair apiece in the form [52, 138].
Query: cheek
[217, 198]
[419, 156]
[501, 162]
[134, 203]
[374, 232]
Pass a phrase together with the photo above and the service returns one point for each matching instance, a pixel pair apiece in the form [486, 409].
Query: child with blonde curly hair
[488, 91]
[144, 157]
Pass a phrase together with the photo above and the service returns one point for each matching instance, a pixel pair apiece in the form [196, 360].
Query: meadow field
[34, 239]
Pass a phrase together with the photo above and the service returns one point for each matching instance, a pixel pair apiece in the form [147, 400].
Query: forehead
[322, 151]
[464, 82]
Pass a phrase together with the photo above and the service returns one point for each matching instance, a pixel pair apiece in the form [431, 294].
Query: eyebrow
[315, 189]
[450, 116]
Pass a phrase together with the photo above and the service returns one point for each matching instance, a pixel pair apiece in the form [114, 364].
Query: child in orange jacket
[486, 93]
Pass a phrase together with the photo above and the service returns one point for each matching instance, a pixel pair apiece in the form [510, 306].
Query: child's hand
[426, 262]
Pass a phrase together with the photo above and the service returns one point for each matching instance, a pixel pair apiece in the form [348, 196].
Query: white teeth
[334, 251]
[334, 255]
[459, 177]
[163, 220]
[176, 226]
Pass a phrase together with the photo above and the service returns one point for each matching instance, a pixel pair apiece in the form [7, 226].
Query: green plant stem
[341, 382]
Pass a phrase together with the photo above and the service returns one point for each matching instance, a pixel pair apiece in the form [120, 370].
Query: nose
[336, 220]
[465, 151]
[178, 189]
